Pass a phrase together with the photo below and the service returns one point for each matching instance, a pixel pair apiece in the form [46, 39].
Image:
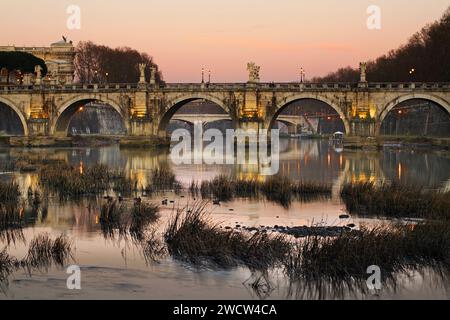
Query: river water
[116, 269]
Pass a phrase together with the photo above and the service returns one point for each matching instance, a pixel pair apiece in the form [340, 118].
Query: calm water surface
[116, 269]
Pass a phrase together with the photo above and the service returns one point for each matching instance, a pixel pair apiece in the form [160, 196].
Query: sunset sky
[183, 35]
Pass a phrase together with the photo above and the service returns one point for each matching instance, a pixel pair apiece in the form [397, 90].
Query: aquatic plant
[192, 236]
[117, 217]
[7, 266]
[11, 223]
[112, 218]
[71, 181]
[393, 247]
[162, 179]
[221, 188]
[152, 246]
[9, 192]
[395, 200]
[125, 186]
[43, 251]
[278, 189]
[142, 215]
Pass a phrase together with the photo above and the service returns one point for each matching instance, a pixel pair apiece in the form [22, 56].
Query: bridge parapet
[171, 87]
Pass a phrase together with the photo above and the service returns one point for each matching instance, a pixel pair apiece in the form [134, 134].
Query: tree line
[97, 63]
[425, 57]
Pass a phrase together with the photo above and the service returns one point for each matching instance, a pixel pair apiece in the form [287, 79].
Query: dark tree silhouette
[97, 63]
[427, 52]
[23, 61]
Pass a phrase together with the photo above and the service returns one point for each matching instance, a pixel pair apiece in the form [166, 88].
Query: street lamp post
[209, 76]
[302, 75]
[203, 75]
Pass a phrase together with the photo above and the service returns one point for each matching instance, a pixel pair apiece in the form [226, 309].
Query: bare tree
[99, 64]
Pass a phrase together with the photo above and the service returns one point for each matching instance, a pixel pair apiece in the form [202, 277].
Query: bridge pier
[363, 127]
[141, 126]
[38, 126]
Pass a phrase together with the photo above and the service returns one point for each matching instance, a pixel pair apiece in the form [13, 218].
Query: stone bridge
[146, 108]
[291, 121]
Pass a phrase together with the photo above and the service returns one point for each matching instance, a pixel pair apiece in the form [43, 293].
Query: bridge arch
[303, 96]
[69, 107]
[392, 104]
[17, 111]
[175, 104]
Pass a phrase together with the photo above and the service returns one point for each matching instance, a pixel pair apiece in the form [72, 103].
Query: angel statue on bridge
[253, 72]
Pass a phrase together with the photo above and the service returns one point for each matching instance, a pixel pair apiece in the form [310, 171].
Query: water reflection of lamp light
[338, 149]
[399, 171]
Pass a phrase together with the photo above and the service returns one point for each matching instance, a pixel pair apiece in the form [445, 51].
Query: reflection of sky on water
[308, 160]
[118, 270]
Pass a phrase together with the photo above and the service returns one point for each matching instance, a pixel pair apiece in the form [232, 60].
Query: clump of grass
[9, 192]
[394, 248]
[11, 223]
[43, 251]
[7, 266]
[395, 200]
[152, 246]
[163, 179]
[142, 215]
[221, 187]
[191, 236]
[112, 218]
[118, 218]
[71, 181]
[278, 189]
[125, 186]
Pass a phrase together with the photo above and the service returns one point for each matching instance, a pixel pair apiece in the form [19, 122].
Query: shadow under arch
[428, 97]
[176, 104]
[306, 96]
[68, 109]
[19, 114]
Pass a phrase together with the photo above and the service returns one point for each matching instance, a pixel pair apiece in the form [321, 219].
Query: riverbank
[400, 142]
[83, 141]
